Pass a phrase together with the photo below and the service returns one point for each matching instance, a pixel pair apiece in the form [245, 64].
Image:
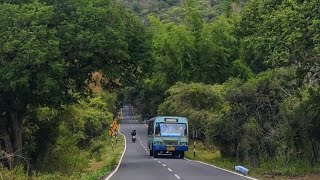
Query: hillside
[173, 10]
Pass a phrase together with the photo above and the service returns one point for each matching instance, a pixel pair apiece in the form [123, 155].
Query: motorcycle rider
[133, 134]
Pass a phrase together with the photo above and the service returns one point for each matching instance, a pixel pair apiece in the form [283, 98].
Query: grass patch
[279, 169]
[101, 156]
[212, 157]
[108, 160]
[19, 174]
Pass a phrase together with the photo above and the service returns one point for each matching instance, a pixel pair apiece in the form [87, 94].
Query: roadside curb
[248, 177]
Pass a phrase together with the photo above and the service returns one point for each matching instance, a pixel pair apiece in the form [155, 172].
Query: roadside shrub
[198, 102]
[57, 140]
[80, 124]
[301, 126]
[251, 129]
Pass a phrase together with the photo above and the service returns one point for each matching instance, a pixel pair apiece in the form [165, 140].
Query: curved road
[138, 165]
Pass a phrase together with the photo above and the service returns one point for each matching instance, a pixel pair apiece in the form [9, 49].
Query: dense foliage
[174, 10]
[49, 51]
[248, 79]
[244, 72]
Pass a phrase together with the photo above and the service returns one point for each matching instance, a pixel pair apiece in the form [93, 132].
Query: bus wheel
[175, 154]
[150, 152]
[181, 154]
[155, 154]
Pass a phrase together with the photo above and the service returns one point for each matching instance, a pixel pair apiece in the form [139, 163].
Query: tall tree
[48, 52]
[32, 72]
[217, 49]
[278, 33]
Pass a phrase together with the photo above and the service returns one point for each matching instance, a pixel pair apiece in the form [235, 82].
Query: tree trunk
[16, 134]
[314, 152]
[5, 141]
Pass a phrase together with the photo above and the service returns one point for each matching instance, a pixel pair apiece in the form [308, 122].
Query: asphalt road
[136, 163]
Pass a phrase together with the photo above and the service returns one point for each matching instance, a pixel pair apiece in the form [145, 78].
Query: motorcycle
[133, 138]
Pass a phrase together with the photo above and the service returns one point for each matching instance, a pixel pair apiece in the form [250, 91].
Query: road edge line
[124, 150]
[221, 168]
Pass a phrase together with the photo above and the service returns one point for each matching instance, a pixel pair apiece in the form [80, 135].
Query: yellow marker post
[110, 132]
[115, 129]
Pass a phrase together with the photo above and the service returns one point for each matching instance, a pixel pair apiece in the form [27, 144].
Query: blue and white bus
[168, 135]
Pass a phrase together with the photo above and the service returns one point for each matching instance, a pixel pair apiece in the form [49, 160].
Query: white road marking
[176, 175]
[125, 148]
[221, 169]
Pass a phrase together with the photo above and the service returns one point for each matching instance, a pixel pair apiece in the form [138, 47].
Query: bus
[168, 135]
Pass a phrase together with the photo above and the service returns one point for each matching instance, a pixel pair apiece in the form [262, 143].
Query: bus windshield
[171, 129]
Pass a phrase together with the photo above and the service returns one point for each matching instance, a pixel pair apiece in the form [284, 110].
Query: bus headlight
[183, 143]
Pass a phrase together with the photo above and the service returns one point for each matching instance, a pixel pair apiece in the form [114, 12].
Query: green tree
[199, 55]
[94, 36]
[278, 33]
[31, 68]
[173, 50]
[190, 51]
[301, 122]
[217, 49]
[198, 102]
[48, 53]
[251, 129]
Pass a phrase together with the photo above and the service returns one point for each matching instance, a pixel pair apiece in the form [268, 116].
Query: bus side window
[157, 131]
[150, 128]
